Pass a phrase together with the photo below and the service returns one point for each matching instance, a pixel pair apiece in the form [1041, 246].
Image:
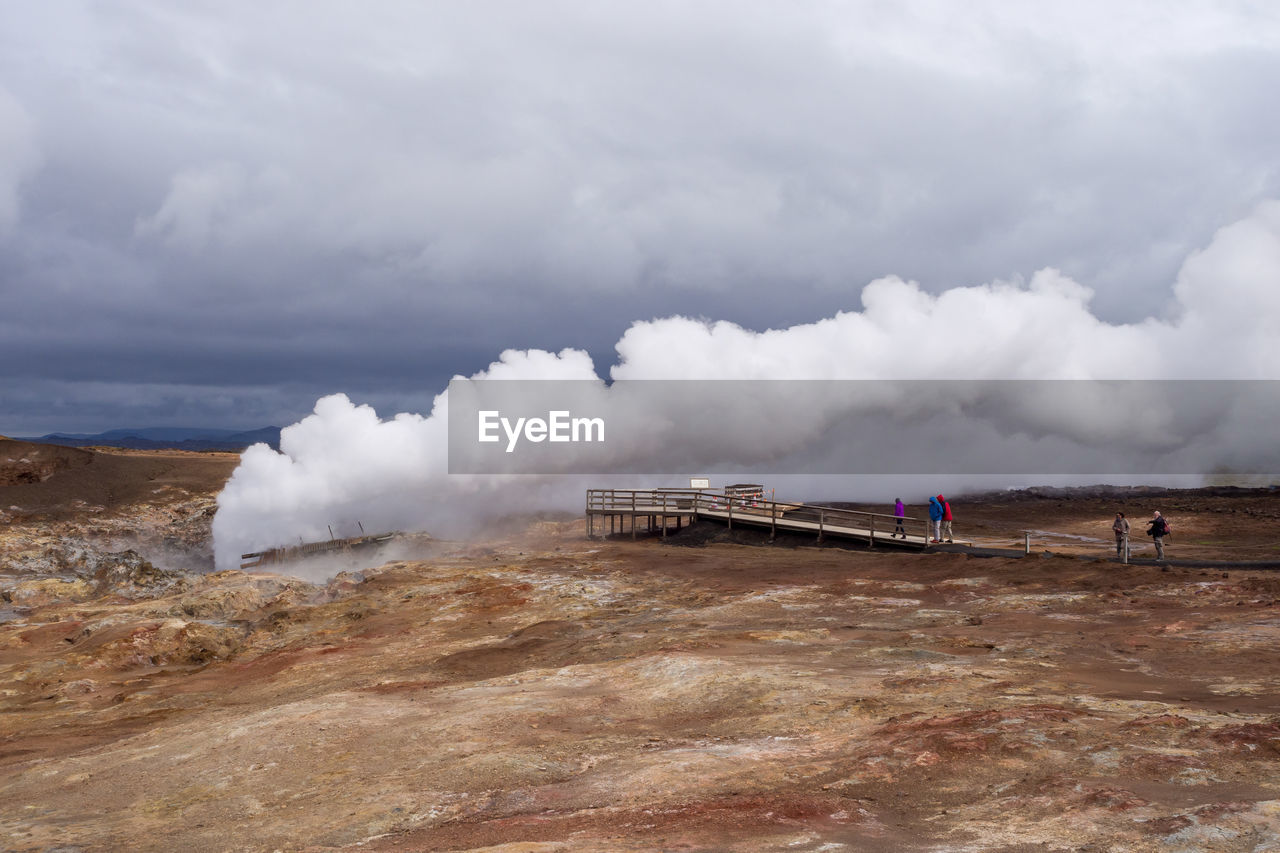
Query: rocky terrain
[542, 692]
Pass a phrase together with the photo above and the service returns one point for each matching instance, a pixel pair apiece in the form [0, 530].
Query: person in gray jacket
[1121, 528]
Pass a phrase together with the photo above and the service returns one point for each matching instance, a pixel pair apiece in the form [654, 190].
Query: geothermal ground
[540, 692]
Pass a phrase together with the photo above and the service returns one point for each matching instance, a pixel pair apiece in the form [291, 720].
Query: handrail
[627, 500]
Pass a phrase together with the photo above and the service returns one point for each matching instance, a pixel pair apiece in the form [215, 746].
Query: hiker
[946, 519]
[1157, 530]
[1121, 528]
[935, 518]
[899, 512]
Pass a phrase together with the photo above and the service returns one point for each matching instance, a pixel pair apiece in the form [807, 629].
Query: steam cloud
[343, 463]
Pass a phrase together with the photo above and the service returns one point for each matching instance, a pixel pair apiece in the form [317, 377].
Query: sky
[215, 213]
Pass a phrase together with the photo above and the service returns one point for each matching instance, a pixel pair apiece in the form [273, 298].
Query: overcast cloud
[211, 213]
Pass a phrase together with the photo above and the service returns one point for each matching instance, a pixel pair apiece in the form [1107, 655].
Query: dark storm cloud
[234, 197]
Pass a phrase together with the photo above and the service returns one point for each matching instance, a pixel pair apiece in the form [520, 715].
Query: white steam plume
[343, 464]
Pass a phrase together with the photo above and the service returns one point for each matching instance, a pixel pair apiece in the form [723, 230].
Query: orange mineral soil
[542, 692]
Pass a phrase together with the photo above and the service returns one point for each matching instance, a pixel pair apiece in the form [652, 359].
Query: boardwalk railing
[659, 506]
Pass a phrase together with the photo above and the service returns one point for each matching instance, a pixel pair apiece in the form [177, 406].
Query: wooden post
[871, 540]
[1124, 549]
[773, 520]
[664, 515]
[822, 518]
[730, 513]
[633, 515]
[1026, 542]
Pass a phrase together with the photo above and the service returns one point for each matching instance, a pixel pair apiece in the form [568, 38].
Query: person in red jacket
[946, 519]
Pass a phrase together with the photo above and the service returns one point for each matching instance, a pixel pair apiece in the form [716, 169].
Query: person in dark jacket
[946, 520]
[899, 512]
[935, 518]
[1157, 530]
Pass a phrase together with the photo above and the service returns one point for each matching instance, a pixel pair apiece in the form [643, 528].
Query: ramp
[659, 507]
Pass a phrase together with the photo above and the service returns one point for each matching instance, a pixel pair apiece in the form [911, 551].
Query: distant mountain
[168, 433]
[269, 435]
[166, 438]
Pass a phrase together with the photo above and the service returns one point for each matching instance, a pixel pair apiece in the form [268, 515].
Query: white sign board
[699, 483]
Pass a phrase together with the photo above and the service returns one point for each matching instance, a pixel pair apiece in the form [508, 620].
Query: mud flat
[545, 693]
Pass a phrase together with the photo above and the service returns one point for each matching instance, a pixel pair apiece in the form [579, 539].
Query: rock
[220, 603]
[1172, 721]
[173, 641]
[37, 593]
[128, 574]
[1258, 739]
[79, 687]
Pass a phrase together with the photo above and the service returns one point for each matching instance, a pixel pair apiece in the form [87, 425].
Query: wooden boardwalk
[306, 550]
[660, 508]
